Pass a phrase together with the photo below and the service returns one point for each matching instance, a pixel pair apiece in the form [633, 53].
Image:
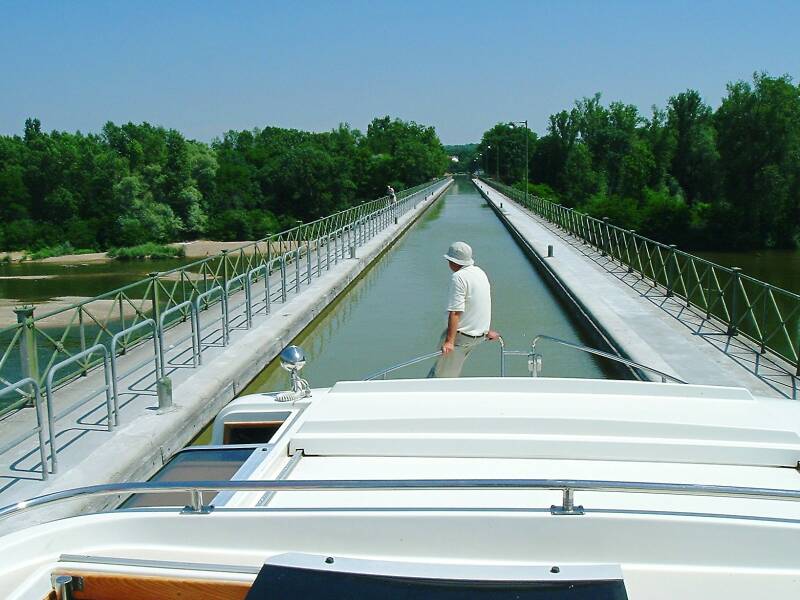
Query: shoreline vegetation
[703, 178]
[147, 251]
[134, 184]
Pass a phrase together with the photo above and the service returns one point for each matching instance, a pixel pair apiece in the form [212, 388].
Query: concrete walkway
[90, 454]
[639, 319]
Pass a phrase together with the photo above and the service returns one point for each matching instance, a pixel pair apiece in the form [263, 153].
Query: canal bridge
[118, 383]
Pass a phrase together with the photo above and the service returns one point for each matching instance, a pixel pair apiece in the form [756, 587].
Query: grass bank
[144, 251]
[57, 250]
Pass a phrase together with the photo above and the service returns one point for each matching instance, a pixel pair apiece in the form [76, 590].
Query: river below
[777, 267]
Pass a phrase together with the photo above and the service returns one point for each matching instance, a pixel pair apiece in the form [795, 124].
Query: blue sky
[206, 67]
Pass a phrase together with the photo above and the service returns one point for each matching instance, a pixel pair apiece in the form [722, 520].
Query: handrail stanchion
[115, 377]
[39, 429]
[328, 252]
[308, 261]
[251, 274]
[162, 327]
[319, 257]
[283, 278]
[200, 298]
[51, 417]
[297, 268]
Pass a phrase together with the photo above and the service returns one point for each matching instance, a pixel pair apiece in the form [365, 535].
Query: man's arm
[453, 317]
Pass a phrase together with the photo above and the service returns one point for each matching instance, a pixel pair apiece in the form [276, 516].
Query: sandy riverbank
[101, 310]
[64, 259]
[193, 249]
[204, 248]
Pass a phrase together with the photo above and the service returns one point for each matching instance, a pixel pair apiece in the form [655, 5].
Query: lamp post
[486, 160]
[527, 135]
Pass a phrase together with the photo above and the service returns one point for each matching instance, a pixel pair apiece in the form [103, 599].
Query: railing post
[122, 323]
[734, 314]
[297, 268]
[225, 316]
[567, 504]
[669, 274]
[319, 258]
[604, 237]
[82, 331]
[28, 353]
[283, 278]
[336, 247]
[308, 261]
[225, 272]
[327, 251]
[157, 319]
[248, 300]
[635, 250]
[164, 392]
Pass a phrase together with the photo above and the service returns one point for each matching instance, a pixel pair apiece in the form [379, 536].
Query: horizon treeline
[137, 183]
[688, 175]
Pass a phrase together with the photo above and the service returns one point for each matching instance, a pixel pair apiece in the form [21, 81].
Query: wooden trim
[113, 586]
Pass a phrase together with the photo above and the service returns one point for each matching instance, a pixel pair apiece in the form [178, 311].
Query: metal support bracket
[197, 507]
[567, 505]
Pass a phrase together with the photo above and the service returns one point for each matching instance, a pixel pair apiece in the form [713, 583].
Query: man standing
[469, 312]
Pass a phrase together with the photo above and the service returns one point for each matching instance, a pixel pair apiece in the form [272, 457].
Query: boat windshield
[275, 581]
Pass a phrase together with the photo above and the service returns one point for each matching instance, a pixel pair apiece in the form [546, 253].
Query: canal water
[396, 311]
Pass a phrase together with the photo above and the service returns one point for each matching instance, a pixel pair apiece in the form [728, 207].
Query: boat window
[201, 464]
[255, 431]
[276, 581]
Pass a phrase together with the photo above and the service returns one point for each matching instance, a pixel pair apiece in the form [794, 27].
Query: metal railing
[567, 487]
[57, 348]
[39, 430]
[580, 347]
[535, 360]
[764, 313]
[384, 372]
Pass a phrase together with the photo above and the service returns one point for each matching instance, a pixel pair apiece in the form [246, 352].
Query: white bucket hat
[460, 253]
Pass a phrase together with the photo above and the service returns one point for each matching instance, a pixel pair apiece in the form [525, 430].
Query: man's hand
[447, 347]
[492, 336]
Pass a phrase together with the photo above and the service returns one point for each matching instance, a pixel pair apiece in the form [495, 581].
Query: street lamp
[497, 173]
[527, 135]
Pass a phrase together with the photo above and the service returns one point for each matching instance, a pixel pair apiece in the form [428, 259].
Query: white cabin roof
[551, 419]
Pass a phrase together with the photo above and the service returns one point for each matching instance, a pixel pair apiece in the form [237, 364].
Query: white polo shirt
[470, 293]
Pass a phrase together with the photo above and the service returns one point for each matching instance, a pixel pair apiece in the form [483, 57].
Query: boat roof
[550, 419]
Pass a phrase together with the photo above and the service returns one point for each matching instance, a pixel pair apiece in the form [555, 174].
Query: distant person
[469, 312]
[391, 194]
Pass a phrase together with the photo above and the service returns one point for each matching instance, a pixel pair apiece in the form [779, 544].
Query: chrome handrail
[567, 487]
[534, 360]
[614, 357]
[384, 372]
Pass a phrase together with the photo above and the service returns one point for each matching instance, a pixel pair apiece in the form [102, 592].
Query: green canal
[396, 311]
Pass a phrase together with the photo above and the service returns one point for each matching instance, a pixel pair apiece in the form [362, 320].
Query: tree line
[721, 179]
[137, 183]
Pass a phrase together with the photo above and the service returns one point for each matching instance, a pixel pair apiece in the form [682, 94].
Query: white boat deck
[667, 545]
